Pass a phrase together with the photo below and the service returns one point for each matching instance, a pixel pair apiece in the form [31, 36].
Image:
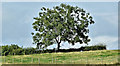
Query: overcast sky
[17, 19]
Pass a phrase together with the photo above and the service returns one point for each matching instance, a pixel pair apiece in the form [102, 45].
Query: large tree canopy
[62, 23]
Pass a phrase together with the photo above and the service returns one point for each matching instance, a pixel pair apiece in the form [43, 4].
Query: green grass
[86, 57]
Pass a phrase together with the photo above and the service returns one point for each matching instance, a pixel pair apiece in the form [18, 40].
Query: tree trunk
[58, 46]
[58, 42]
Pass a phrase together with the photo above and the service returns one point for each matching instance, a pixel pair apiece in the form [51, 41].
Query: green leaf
[32, 33]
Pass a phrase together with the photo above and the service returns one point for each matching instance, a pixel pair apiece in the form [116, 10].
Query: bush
[19, 51]
[29, 51]
[10, 50]
[16, 50]
[95, 47]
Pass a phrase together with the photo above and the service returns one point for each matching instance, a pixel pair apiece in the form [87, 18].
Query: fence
[59, 58]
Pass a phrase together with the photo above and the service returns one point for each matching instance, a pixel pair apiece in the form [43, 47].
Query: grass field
[86, 57]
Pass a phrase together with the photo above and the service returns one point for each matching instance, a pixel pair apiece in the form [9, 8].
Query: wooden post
[13, 57]
[32, 60]
[39, 60]
[4, 56]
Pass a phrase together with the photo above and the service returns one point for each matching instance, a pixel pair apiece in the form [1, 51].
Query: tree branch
[56, 40]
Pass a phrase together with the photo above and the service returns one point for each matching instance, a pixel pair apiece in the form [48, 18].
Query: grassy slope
[90, 57]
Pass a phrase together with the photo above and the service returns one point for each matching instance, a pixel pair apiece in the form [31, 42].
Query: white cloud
[27, 42]
[110, 41]
[52, 46]
[109, 17]
[66, 45]
[105, 39]
[113, 20]
[1, 43]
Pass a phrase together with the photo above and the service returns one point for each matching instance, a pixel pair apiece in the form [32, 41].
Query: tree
[62, 23]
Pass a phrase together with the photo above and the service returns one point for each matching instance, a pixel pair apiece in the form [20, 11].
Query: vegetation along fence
[70, 56]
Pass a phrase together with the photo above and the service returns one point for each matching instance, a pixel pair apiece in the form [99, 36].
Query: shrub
[19, 51]
[10, 50]
[15, 49]
[95, 47]
[29, 51]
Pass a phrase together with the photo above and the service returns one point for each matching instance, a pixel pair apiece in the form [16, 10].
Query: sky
[59, 0]
[17, 19]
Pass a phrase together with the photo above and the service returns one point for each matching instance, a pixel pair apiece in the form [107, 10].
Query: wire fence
[53, 58]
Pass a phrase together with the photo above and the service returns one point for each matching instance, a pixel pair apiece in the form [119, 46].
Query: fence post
[55, 60]
[102, 59]
[55, 56]
[86, 60]
[81, 60]
[4, 58]
[32, 60]
[39, 60]
[13, 57]
[52, 59]
[21, 60]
